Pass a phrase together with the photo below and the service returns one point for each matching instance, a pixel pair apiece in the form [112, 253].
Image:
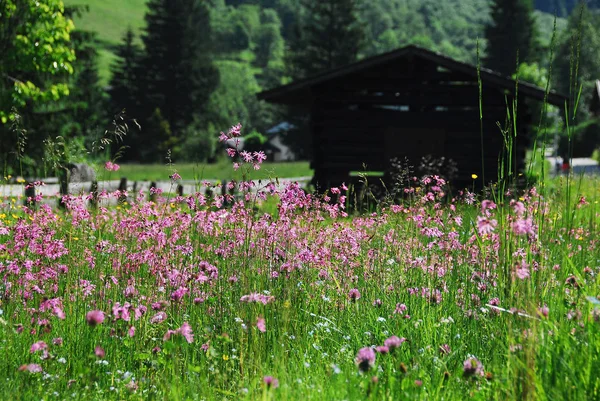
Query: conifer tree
[176, 73]
[86, 104]
[511, 35]
[328, 35]
[123, 81]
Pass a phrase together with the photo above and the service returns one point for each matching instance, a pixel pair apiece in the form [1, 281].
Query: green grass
[105, 58]
[218, 171]
[110, 18]
[433, 290]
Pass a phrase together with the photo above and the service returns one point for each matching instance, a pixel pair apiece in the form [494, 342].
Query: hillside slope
[110, 19]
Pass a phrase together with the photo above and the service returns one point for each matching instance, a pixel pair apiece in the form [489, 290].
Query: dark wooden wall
[409, 109]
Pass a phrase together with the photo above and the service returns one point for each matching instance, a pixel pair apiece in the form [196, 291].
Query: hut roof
[299, 91]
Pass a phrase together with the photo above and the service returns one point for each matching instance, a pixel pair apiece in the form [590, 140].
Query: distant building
[277, 150]
[410, 103]
[596, 99]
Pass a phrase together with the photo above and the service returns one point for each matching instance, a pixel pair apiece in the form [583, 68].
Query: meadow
[435, 296]
[220, 170]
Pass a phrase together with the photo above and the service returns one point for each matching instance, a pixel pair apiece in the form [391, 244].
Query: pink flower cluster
[257, 297]
[110, 166]
[185, 331]
[231, 139]
[365, 358]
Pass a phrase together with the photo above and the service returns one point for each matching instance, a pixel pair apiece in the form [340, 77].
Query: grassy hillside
[109, 19]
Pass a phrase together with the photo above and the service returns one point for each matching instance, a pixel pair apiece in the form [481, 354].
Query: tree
[85, 107]
[269, 42]
[177, 74]
[578, 55]
[122, 88]
[34, 41]
[511, 35]
[158, 138]
[577, 65]
[328, 35]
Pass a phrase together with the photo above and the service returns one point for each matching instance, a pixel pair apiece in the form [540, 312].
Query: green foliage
[220, 170]
[511, 35]
[450, 27]
[158, 138]
[577, 65]
[177, 73]
[76, 120]
[200, 143]
[235, 97]
[329, 35]
[85, 108]
[254, 141]
[269, 44]
[578, 56]
[533, 74]
[125, 71]
[34, 41]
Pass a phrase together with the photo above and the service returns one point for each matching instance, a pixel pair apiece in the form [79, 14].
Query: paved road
[579, 165]
[52, 191]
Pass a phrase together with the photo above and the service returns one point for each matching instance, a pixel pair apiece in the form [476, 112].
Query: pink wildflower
[110, 166]
[178, 294]
[94, 317]
[522, 271]
[260, 324]
[518, 207]
[185, 331]
[158, 318]
[485, 225]
[31, 368]
[99, 352]
[38, 346]
[487, 204]
[473, 367]
[354, 294]
[382, 349]
[394, 342]
[271, 382]
[365, 359]
[445, 349]
[235, 131]
[256, 297]
[523, 226]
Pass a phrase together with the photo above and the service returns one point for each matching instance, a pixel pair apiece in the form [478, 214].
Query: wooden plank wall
[351, 118]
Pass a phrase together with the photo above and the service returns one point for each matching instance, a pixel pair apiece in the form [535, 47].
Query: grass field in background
[109, 19]
[218, 171]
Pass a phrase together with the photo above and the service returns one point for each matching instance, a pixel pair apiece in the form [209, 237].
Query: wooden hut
[409, 103]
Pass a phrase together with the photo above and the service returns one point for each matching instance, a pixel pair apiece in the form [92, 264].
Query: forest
[164, 77]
